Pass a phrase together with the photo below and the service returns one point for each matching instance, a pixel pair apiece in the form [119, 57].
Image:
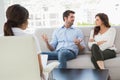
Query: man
[66, 41]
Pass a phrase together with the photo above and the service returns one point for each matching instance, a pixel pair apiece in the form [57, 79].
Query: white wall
[2, 15]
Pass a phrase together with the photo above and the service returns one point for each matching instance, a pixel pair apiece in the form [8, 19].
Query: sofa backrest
[85, 30]
[117, 39]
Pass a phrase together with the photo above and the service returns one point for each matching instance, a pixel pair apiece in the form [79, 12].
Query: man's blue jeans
[62, 55]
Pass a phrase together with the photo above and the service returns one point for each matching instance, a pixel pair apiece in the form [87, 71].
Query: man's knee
[61, 54]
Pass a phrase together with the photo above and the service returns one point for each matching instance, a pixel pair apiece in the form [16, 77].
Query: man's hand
[45, 38]
[77, 41]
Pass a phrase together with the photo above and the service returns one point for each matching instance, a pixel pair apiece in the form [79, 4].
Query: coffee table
[80, 74]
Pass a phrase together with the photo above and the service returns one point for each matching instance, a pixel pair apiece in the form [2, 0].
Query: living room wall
[2, 15]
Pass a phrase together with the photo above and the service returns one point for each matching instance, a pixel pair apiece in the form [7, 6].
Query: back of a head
[16, 15]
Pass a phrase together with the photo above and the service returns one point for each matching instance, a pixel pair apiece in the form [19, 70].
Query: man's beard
[71, 23]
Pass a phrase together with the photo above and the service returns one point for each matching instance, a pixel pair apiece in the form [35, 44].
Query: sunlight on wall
[47, 13]
[112, 8]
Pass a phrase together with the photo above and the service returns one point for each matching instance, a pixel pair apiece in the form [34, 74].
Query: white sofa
[84, 60]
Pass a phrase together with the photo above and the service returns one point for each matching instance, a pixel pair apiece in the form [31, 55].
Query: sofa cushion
[114, 62]
[117, 39]
[82, 61]
[86, 32]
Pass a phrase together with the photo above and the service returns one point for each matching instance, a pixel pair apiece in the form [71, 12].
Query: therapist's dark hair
[16, 15]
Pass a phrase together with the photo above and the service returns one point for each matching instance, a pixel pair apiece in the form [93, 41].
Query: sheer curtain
[2, 15]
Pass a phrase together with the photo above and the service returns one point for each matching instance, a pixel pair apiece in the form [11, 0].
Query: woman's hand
[91, 40]
[43, 77]
[100, 42]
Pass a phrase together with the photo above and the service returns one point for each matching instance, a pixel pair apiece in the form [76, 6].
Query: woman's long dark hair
[16, 15]
[104, 19]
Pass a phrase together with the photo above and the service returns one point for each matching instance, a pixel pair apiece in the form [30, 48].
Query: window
[47, 13]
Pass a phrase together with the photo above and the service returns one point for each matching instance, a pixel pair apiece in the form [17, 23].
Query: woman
[101, 41]
[17, 21]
